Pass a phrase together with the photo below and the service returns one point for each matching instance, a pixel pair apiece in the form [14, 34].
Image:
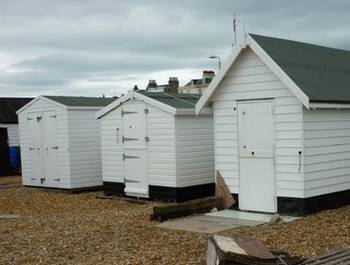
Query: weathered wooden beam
[223, 250]
[173, 210]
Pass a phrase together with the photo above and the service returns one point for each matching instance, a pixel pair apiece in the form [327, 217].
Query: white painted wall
[12, 132]
[112, 147]
[160, 128]
[194, 150]
[250, 78]
[180, 151]
[62, 141]
[327, 151]
[84, 148]
[161, 147]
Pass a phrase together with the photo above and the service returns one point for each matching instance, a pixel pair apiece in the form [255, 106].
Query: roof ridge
[299, 42]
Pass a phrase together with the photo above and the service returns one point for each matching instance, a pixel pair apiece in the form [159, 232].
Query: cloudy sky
[82, 47]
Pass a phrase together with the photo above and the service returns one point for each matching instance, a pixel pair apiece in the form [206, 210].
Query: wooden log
[173, 210]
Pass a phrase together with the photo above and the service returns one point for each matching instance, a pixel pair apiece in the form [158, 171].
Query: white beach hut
[282, 125]
[154, 146]
[60, 142]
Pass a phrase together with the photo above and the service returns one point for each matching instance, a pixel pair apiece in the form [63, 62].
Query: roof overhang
[248, 41]
[37, 99]
[93, 108]
[134, 95]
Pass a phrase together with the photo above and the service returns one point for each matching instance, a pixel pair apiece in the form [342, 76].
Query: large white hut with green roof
[60, 142]
[282, 125]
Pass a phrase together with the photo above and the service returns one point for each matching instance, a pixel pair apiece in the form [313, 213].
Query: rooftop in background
[82, 101]
[322, 73]
[205, 80]
[8, 108]
[178, 101]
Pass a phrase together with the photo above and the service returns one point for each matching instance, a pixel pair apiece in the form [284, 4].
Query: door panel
[135, 155]
[50, 149]
[35, 147]
[256, 156]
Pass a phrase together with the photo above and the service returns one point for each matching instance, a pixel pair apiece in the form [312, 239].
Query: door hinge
[29, 119]
[57, 180]
[54, 147]
[31, 149]
[128, 157]
[31, 179]
[53, 116]
[128, 112]
[128, 139]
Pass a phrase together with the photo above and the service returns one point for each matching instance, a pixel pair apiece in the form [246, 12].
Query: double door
[43, 148]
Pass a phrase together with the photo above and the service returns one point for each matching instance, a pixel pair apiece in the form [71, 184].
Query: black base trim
[181, 194]
[74, 190]
[235, 206]
[304, 206]
[113, 188]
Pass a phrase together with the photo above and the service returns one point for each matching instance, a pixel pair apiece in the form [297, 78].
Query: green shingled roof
[322, 73]
[178, 101]
[82, 101]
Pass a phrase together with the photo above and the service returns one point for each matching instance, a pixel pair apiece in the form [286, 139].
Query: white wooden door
[51, 149]
[135, 150]
[34, 120]
[256, 156]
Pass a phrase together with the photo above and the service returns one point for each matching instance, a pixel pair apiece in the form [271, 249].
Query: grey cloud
[61, 43]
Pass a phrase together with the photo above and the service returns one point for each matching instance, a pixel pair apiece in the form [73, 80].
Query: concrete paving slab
[260, 217]
[206, 224]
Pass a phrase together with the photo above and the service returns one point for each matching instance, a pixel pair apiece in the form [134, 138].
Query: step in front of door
[136, 192]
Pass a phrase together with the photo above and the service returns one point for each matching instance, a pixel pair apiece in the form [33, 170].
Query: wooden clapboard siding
[249, 78]
[13, 133]
[112, 146]
[194, 150]
[84, 148]
[63, 166]
[161, 147]
[327, 151]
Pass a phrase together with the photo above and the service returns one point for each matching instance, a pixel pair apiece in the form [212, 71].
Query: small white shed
[282, 125]
[154, 146]
[60, 142]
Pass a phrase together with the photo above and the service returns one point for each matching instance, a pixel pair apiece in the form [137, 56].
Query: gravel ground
[59, 228]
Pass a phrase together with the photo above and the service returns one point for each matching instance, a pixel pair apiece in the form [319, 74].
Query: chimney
[173, 85]
[207, 76]
[152, 84]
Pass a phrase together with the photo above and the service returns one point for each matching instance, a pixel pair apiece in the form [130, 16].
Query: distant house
[9, 135]
[282, 125]
[198, 86]
[172, 86]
